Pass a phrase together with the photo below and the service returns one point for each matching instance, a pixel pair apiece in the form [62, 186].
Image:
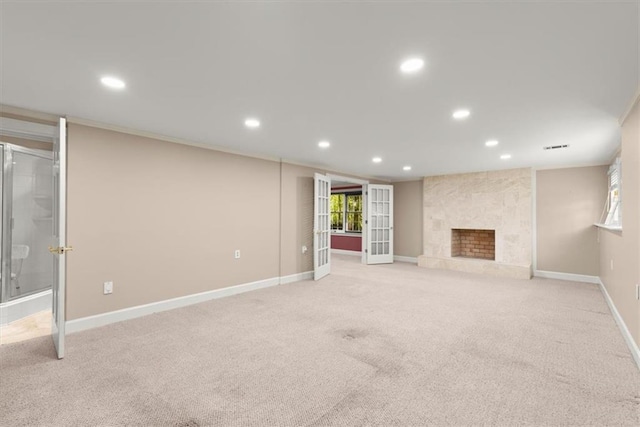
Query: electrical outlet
[237, 254]
[108, 288]
[304, 249]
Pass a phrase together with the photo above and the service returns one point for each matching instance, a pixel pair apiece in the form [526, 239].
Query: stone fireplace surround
[495, 200]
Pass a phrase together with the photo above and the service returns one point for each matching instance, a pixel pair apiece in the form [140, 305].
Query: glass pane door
[380, 224]
[322, 227]
[31, 222]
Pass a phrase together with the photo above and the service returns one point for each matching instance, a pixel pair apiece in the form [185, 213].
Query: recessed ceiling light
[412, 65]
[324, 144]
[491, 143]
[112, 82]
[376, 160]
[461, 114]
[252, 123]
[406, 168]
[505, 156]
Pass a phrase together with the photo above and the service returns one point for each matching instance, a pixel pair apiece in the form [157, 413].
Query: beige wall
[162, 220]
[408, 218]
[296, 219]
[623, 248]
[568, 202]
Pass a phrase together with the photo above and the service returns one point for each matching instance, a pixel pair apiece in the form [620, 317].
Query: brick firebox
[473, 243]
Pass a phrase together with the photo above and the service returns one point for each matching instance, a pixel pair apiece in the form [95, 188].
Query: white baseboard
[633, 347]
[399, 258]
[22, 307]
[103, 319]
[566, 276]
[345, 252]
[307, 275]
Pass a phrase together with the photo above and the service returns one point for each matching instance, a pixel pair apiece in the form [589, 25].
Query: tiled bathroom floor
[33, 326]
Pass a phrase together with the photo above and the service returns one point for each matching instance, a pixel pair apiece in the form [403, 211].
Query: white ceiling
[532, 74]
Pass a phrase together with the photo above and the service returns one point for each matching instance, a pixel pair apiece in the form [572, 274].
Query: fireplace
[495, 200]
[470, 243]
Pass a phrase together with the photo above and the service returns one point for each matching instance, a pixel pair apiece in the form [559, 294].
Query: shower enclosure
[26, 270]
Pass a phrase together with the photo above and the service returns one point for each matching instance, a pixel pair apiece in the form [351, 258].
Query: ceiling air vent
[555, 147]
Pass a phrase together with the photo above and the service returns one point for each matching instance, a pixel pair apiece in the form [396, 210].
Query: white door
[321, 227]
[379, 224]
[58, 247]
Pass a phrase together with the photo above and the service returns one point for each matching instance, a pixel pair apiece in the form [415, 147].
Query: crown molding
[165, 138]
[19, 113]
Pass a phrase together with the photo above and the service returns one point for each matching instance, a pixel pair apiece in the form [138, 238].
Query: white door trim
[341, 178]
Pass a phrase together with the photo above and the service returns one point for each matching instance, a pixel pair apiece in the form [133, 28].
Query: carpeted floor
[389, 345]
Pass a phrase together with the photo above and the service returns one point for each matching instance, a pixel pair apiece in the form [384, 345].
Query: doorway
[33, 217]
[347, 218]
[351, 217]
[26, 227]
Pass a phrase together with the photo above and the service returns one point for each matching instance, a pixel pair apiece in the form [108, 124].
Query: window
[337, 212]
[614, 199]
[354, 212]
[346, 212]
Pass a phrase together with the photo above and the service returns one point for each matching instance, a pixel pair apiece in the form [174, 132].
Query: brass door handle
[60, 250]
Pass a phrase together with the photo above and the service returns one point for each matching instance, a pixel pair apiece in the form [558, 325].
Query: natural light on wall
[613, 205]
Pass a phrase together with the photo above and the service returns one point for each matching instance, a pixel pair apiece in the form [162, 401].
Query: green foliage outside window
[337, 211]
[346, 212]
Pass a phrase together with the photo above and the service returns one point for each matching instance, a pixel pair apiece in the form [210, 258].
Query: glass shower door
[31, 207]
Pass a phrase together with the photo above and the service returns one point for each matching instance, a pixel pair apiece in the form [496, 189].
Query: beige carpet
[391, 345]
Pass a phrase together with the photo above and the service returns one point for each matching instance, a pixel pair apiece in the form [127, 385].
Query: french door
[379, 224]
[321, 227]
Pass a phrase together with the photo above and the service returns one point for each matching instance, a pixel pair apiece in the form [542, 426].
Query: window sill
[346, 234]
[609, 227]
